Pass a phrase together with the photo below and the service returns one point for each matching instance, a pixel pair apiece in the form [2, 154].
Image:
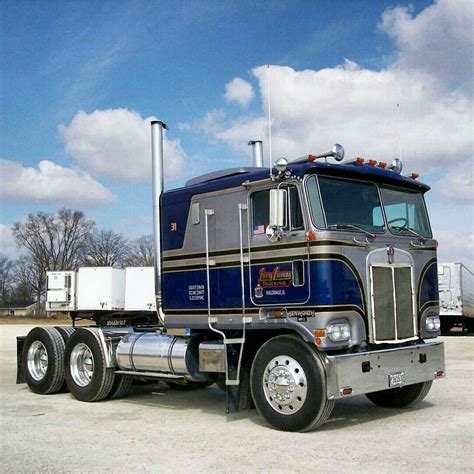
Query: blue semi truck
[290, 287]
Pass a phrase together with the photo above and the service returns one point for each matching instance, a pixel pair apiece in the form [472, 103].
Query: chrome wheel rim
[81, 364]
[285, 385]
[37, 359]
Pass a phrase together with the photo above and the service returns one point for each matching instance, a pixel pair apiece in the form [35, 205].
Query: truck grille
[393, 312]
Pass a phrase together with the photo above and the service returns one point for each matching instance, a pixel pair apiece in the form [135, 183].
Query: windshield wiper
[352, 226]
[409, 229]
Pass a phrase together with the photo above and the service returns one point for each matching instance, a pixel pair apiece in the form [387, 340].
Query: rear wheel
[121, 387]
[65, 331]
[43, 360]
[288, 385]
[87, 375]
[400, 397]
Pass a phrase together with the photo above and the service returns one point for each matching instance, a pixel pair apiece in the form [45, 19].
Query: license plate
[397, 379]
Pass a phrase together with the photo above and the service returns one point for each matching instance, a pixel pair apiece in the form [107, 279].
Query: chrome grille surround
[392, 296]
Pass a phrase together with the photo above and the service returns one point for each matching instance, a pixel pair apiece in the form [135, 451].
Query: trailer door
[278, 271]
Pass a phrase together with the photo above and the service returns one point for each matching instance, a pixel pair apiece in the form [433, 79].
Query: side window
[260, 211]
[315, 202]
[296, 214]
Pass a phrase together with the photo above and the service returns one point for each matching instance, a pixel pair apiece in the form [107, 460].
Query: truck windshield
[405, 211]
[345, 204]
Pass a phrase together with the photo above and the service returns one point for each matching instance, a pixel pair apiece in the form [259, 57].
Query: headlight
[433, 323]
[339, 332]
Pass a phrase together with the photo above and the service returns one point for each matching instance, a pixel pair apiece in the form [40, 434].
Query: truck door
[278, 271]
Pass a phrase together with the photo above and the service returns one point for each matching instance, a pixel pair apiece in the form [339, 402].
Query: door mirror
[277, 208]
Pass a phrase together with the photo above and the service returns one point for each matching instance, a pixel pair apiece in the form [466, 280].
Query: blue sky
[173, 60]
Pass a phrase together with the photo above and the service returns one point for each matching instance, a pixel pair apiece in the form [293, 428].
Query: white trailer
[112, 296]
[456, 295]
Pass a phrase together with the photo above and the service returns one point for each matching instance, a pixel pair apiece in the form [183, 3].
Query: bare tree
[141, 253]
[6, 286]
[106, 248]
[53, 242]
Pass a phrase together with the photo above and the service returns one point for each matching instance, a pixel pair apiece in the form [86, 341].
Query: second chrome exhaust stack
[157, 128]
[257, 150]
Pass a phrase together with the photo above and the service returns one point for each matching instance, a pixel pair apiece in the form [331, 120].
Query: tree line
[64, 240]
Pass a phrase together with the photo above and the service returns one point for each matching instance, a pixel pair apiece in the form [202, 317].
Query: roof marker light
[312, 158]
[359, 160]
[414, 175]
[372, 162]
[382, 165]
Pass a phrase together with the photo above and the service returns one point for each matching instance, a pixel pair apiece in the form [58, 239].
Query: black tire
[400, 397]
[84, 351]
[43, 344]
[307, 406]
[121, 387]
[65, 331]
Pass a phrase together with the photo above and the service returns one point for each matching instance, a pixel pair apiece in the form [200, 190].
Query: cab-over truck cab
[290, 287]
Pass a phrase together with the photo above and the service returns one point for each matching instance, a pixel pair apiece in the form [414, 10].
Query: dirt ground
[157, 429]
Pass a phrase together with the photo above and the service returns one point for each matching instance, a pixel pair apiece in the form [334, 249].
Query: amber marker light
[312, 158]
[346, 391]
[310, 236]
[372, 162]
[414, 175]
[382, 165]
[320, 332]
[359, 160]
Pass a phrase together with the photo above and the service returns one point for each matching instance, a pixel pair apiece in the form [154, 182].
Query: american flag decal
[258, 229]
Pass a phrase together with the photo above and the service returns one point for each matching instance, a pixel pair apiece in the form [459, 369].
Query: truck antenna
[269, 120]
[399, 133]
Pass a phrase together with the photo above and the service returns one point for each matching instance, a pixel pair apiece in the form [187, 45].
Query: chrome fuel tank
[157, 352]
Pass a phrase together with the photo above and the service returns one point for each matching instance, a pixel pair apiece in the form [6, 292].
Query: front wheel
[400, 397]
[288, 385]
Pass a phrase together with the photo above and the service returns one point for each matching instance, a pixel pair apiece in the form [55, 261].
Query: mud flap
[20, 376]
[239, 397]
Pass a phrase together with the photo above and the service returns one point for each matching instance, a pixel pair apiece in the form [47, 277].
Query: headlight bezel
[433, 323]
[339, 331]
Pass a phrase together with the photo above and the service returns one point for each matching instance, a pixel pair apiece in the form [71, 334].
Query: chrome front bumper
[365, 372]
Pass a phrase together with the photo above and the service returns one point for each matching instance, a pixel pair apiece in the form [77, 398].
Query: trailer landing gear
[289, 386]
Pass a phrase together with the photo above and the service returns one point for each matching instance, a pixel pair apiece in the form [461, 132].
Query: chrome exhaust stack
[157, 128]
[257, 150]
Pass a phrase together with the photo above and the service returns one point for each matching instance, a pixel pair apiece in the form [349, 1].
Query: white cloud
[455, 247]
[8, 246]
[240, 91]
[438, 41]
[354, 106]
[116, 143]
[50, 183]
[458, 185]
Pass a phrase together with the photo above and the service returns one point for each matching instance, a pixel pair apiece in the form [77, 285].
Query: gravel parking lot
[157, 429]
